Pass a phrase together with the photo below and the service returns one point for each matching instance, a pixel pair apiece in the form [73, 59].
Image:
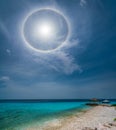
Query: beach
[97, 118]
[56, 116]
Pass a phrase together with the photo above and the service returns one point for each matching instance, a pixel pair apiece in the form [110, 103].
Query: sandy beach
[97, 118]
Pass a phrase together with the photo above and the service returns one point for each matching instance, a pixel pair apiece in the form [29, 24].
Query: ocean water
[23, 114]
[16, 115]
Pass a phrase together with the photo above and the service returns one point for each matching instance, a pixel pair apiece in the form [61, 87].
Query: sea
[23, 114]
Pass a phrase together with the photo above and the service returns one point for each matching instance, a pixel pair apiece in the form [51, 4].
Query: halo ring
[51, 50]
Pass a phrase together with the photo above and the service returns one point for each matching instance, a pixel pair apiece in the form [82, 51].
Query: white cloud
[4, 29]
[66, 64]
[71, 43]
[83, 2]
[4, 78]
[8, 51]
[58, 61]
[61, 60]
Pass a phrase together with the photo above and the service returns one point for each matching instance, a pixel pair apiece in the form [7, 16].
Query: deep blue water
[14, 115]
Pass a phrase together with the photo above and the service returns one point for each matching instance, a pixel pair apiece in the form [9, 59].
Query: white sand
[98, 117]
[94, 118]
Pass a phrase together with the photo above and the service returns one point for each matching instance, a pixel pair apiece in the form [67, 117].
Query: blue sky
[84, 68]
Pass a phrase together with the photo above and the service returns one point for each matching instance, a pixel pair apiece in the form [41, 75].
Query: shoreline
[58, 121]
[96, 118]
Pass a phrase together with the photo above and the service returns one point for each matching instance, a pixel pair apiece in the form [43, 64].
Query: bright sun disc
[45, 30]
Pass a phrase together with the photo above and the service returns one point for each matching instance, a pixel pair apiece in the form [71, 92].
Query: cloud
[4, 78]
[4, 81]
[4, 29]
[8, 51]
[82, 2]
[60, 60]
[66, 63]
[74, 41]
[56, 90]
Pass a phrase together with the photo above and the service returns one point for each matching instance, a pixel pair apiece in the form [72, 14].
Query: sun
[45, 30]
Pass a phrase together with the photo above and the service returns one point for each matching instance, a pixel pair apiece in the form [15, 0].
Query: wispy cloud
[4, 29]
[82, 2]
[58, 61]
[53, 90]
[8, 51]
[4, 78]
[66, 63]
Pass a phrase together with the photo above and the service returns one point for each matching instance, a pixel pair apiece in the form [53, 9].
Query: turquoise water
[14, 116]
[21, 115]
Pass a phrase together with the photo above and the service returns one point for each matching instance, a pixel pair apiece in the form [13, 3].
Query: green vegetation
[114, 119]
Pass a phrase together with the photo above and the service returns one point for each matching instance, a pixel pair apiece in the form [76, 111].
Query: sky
[85, 67]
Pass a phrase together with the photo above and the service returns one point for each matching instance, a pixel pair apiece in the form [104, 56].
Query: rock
[107, 125]
[110, 124]
[114, 124]
[88, 128]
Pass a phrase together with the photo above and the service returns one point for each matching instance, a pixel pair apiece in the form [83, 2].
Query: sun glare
[45, 30]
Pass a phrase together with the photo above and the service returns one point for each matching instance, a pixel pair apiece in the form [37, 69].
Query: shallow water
[13, 116]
